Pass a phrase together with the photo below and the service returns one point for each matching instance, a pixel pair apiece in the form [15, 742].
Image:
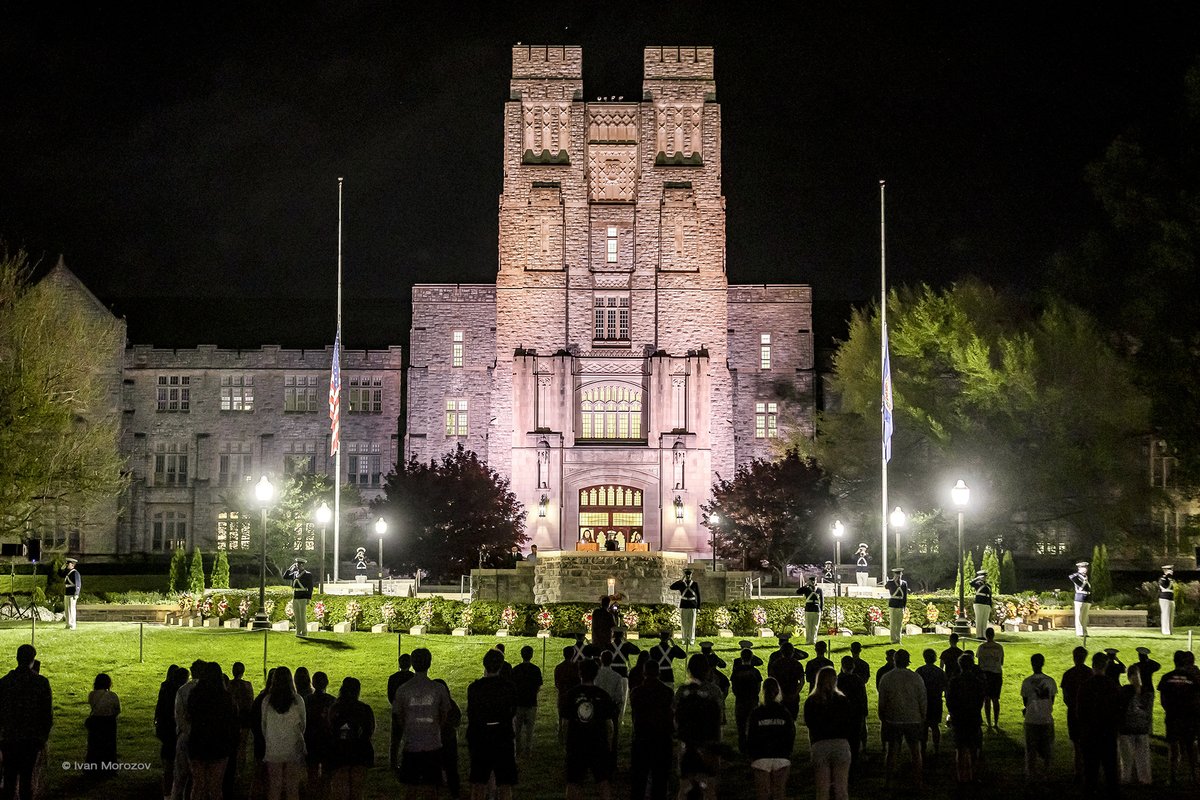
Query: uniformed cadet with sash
[577, 648]
[715, 665]
[897, 589]
[623, 652]
[661, 656]
[689, 603]
[983, 602]
[814, 604]
[861, 573]
[827, 574]
[1083, 597]
[71, 586]
[302, 588]
[1166, 599]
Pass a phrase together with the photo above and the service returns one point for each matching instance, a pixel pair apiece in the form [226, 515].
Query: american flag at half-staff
[335, 395]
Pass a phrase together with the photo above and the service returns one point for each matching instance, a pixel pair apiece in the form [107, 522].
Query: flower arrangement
[206, 608]
[874, 616]
[222, 607]
[836, 616]
[508, 618]
[269, 607]
[760, 616]
[244, 608]
[289, 611]
[798, 616]
[587, 621]
[631, 619]
[186, 602]
[388, 613]
[468, 615]
[723, 618]
[1010, 610]
[353, 612]
[1030, 608]
[931, 613]
[1000, 613]
[676, 620]
[319, 612]
[544, 619]
[907, 615]
[425, 613]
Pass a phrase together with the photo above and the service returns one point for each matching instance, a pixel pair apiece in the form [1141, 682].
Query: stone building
[611, 371]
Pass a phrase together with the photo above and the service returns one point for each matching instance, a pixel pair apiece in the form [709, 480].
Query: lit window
[456, 417]
[304, 537]
[611, 317]
[366, 395]
[363, 464]
[233, 531]
[237, 392]
[764, 351]
[612, 245]
[170, 465]
[766, 420]
[168, 530]
[456, 349]
[300, 393]
[234, 464]
[174, 393]
[610, 412]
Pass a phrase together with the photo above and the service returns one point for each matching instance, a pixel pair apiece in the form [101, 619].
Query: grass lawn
[71, 659]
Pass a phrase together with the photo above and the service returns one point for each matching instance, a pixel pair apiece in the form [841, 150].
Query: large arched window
[612, 411]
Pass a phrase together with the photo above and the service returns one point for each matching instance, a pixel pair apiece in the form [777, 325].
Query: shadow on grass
[330, 644]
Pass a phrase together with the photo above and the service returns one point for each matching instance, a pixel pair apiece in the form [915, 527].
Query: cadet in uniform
[1083, 597]
[745, 681]
[360, 565]
[897, 589]
[715, 665]
[661, 656]
[689, 603]
[983, 602]
[861, 564]
[302, 588]
[814, 604]
[71, 586]
[1166, 599]
[623, 652]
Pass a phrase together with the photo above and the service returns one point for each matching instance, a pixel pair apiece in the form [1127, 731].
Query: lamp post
[380, 530]
[713, 521]
[898, 519]
[839, 530]
[323, 515]
[961, 495]
[264, 493]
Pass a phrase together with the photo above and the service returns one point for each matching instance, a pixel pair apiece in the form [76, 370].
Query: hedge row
[440, 615]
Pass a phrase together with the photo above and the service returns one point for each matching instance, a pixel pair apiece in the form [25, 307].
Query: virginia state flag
[887, 399]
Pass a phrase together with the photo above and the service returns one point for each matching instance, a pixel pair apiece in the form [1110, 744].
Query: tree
[177, 576]
[1025, 402]
[968, 570]
[1008, 574]
[1099, 574]
[445, 515]
[196, 574]
[773, 513]
[991, 565]
[59, 358]
[220, 572]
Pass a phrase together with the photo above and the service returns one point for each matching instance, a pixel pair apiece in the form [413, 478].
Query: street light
[380, 530]
[899, 519]
[323, 515]
[961, 495]
[264, 493]
[839, 530]
[713, 521]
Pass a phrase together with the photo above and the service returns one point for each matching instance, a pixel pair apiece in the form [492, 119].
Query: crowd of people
[218, 735]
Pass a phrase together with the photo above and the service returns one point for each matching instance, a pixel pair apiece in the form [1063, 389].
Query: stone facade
[611, 372]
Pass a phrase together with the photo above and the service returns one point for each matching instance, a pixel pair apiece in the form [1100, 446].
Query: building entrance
[610, 512]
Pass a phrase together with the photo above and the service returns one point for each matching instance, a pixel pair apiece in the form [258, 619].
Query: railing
[750, 588]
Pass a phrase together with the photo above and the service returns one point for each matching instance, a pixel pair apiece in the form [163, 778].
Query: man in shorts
[964, 703]
[1037, 698]
[990, 657]
[902, 708]
[588, 718]
[491, 707]
[1179, 693]
[420, 709]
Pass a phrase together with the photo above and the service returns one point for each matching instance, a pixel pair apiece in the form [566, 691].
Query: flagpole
[337, 455]
[883, 492]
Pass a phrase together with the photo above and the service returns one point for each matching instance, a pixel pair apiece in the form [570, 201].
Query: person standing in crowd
[395, 681]
[72, 586]
[698, 716]
[1166, 599]
[490, 712]
[861, 668]
[617, 689]
[814, 604]
[1072, 681]
[183, 769]
[26, 715]
[862, 575]
[527, 680]
[1147, 665]
[1116, 669]
[316, 734]
[1037, 700]
[715, 664]
[816, 664]
[934, 678]
[1133, 733]
[855, 690]
[303, 682]
[302, 588]
[164, 723]
[588, 722]
[241, 692]
[983, 602]
[1179, 691]
[450, 745]
[101, 723]
[566, 673]
[965, 693]
[990, 658]
[623, 652]
[787, 670]
[532, 558]
[603, 622]
[949, 657]
[902, 708]
[897, 589]
[640, 668]
[651, 754]
[350, 752]
[831, 725]
[1083, 597]
[258, 779]
[420, 709]
[661, 656]
[514, 557]
[1099, 719]
[889, 664]
[689, 604]
[283, 725]
[745, 680]
[213, 727]
[770, 740]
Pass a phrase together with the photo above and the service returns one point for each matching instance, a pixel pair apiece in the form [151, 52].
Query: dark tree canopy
[443, 515]
[773, 513]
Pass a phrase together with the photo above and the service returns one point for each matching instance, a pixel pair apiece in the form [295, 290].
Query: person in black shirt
[661, 656]
[1100, 718]
[935, 685]
[450, 745]
[1083, 597]
[1179, 693]
[851, 685]
[588, 723]
[490, 712]
[698, 715]
[302, 589]
[603, 622]
[1072, 680]
[897, 589]
[814, 602]
[745, 681]
[816, 664]
[889, 664]
[770, 739]
[350, 752]
[651, 754]
[164, 722]
[861, 668]
[715, 665]
[965, 694]
[527, 679]
[395, 681]
[1166, 600]
[949, 657]
[790, 673]
[689, 604]
[830, 720]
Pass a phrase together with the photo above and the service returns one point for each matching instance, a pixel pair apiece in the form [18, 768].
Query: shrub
[220, 571]
[195, 581]
[1099, 575]
[177, 574]
[1008, 573]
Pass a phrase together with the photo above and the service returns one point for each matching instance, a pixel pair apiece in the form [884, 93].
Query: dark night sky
[184, 160]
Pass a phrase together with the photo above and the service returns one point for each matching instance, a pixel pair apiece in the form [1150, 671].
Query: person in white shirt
[990, 658]
[283, 722]
[1037, 695]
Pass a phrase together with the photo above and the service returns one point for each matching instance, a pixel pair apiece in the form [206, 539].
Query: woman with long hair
[101, 724]
[1137, 718]
[164, 723]
[283, 722]
[770, 738]
[350, 752]
[831, 722]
